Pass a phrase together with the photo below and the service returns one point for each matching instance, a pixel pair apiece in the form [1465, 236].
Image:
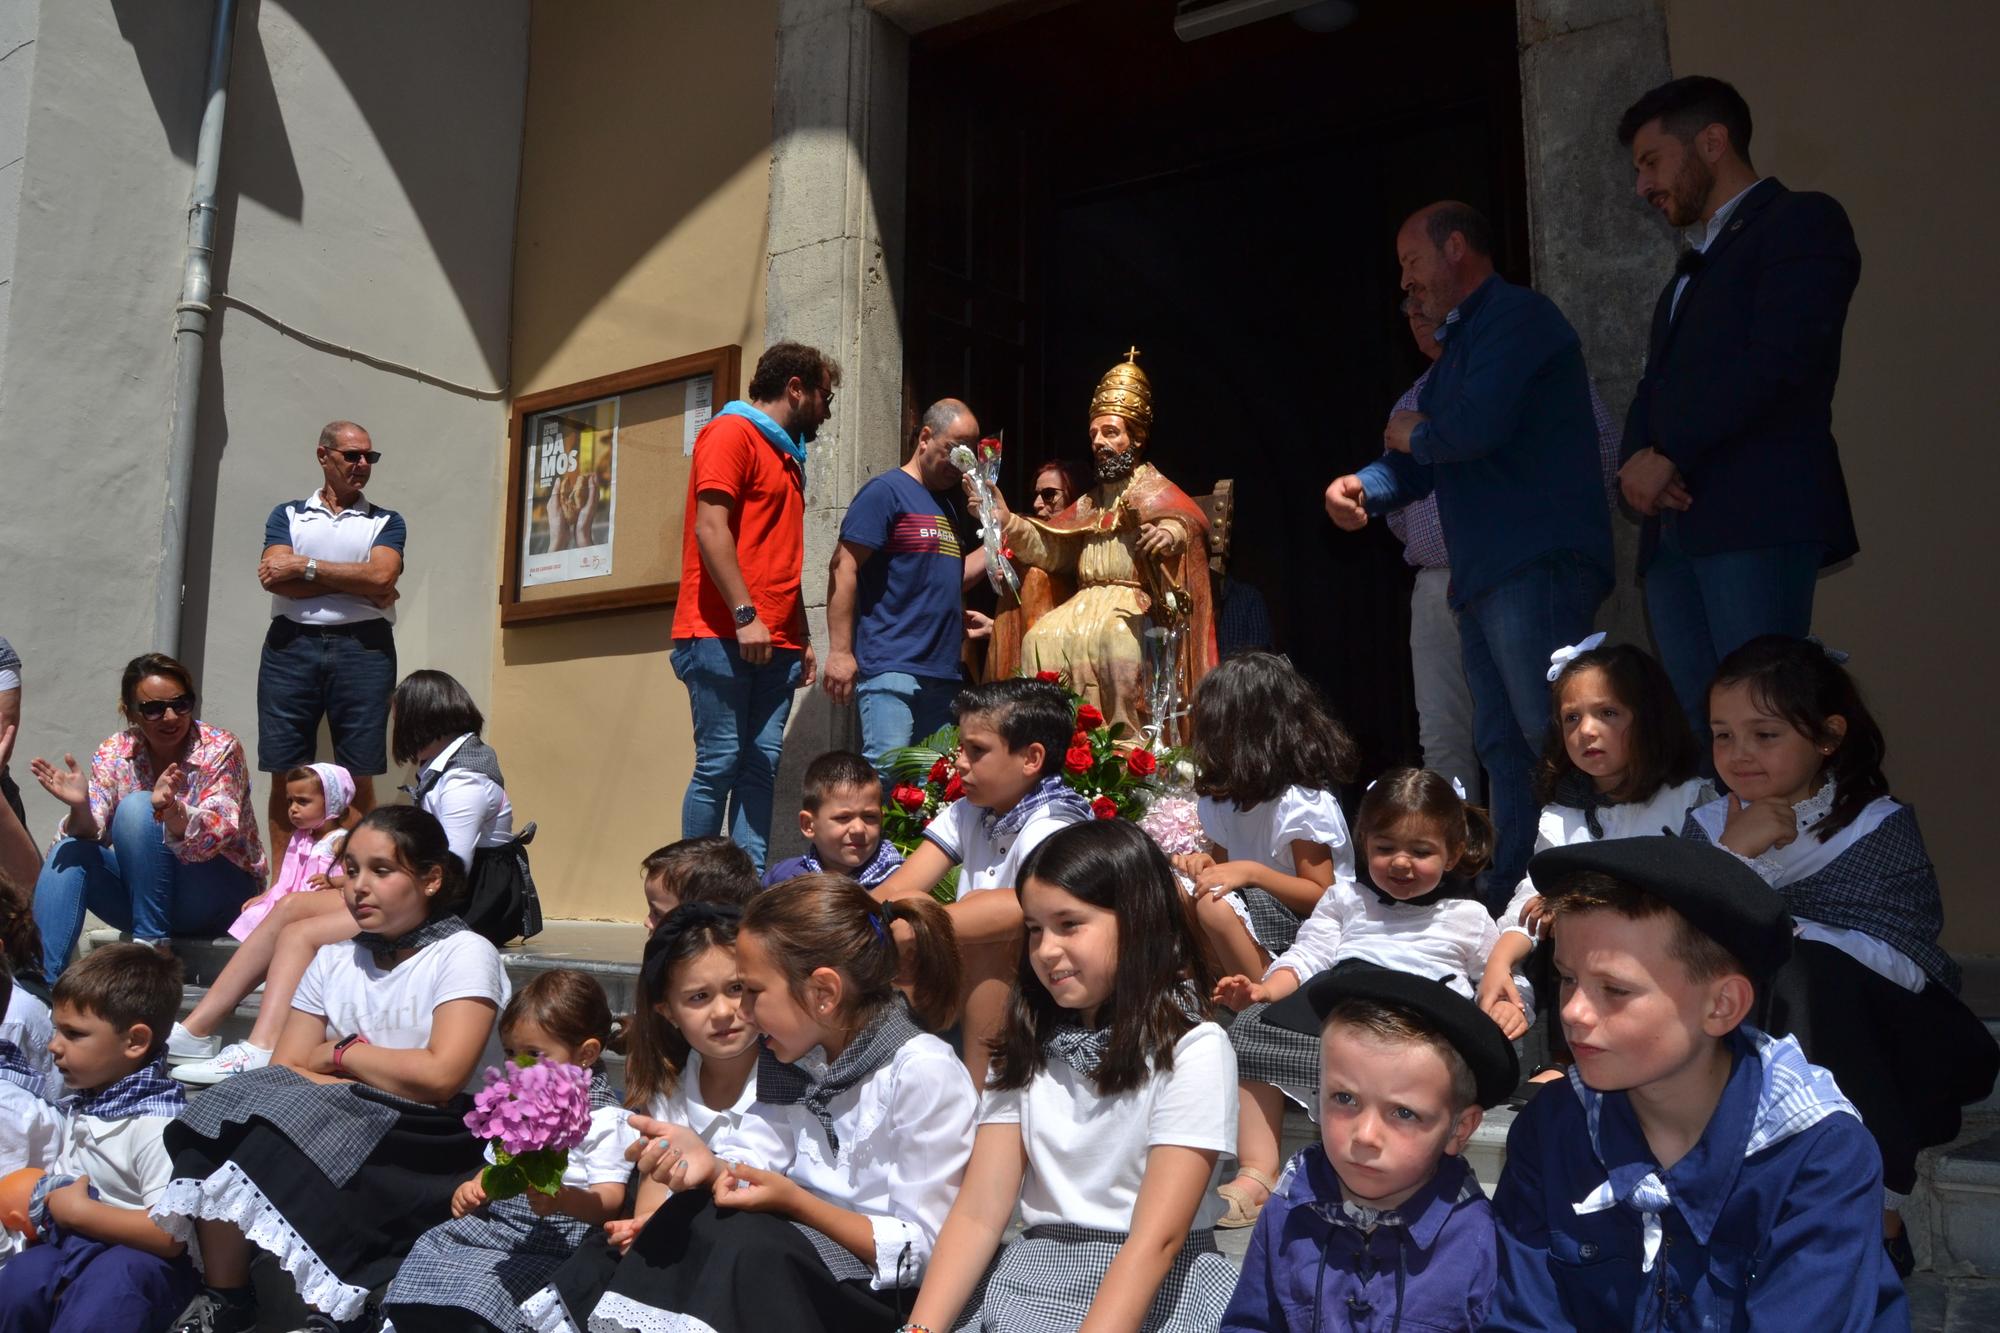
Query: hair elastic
[875, 924]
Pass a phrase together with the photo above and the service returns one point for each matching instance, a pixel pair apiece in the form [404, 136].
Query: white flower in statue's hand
[962, 459]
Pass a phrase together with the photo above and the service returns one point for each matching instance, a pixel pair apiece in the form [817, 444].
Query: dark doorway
[1081, 180]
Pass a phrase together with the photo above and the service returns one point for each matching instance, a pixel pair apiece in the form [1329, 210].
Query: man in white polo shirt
[330, 563]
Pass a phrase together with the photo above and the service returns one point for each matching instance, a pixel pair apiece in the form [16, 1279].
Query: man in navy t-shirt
[894, 617]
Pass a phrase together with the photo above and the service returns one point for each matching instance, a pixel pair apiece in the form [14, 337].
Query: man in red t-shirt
[740, 640]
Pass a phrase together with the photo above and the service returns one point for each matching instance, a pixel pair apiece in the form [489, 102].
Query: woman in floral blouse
[160, 838]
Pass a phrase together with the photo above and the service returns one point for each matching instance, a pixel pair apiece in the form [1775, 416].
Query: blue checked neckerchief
[15, 1069]
[1052, 793]
[879, 866]
[814, 1083]
[145, 1091]
[1082, 1049]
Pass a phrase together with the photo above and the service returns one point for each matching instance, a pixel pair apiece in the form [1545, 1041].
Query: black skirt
[731, 1271]
[337, 1242]
[1908, 1062]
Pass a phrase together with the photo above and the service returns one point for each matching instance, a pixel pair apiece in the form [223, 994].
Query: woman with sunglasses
[160, 838]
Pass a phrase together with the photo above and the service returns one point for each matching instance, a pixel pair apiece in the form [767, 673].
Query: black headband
[660, 946]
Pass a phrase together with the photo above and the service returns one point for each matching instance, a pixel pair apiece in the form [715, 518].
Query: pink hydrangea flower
[1172, 822]
[536, 1108]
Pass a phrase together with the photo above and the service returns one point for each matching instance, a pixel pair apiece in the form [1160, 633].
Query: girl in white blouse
[822, 1210]
[1413, 911]
[1269, 755]
[1108, 1107]
[1619, 762]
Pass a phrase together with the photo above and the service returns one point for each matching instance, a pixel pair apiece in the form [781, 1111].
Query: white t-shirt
[1565, 826]
[991, 862]
[344, 985]
[1087, 1152]
[125, 1159]
[472, 807]
[30, 1026]
[717, 1127]
[1448, 938]
[905, 1136]
[1266, 832]
[31, 1133]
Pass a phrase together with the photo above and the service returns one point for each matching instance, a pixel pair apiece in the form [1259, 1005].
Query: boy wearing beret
[1692, 1172]
[1381, 1224]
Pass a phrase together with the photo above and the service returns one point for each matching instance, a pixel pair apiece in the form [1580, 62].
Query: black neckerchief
[385, 947]
[814, 1083]
[1451, 886]
[1577, 790]
[1082, 1049]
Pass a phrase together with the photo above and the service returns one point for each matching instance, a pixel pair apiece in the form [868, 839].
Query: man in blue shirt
[1503, 436]
[894, 614]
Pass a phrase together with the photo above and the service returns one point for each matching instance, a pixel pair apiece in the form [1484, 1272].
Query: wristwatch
[340, 1050]
[744, 614]
[312, 570]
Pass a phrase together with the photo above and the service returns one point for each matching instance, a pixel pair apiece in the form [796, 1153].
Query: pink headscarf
[338, 784]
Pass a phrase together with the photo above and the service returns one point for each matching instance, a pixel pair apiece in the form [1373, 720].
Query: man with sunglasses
[330, 563]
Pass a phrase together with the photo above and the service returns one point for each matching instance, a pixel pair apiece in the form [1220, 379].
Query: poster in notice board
[597, 476]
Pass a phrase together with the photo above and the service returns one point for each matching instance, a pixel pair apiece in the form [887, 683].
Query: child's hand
[468, 1197]
[754, 1190]
[316, 882]
[674, 1155]
[1192, 864]
[622, 1231]
[1752, 828]
[1239, 993]
[546, 1205]
[1501, 1001]
[1227, 877]
[66, 1204]
[1535, 915]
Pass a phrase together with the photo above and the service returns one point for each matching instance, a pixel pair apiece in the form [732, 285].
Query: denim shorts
[343, 673]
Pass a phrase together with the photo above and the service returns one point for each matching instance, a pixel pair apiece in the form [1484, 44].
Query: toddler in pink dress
[318, 795]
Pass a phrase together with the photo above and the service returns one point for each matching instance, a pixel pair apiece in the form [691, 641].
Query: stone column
[1598, 252]
[839, 130]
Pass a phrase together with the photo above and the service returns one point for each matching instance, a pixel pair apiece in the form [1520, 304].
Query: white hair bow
[1456, 786]
[1562, 657]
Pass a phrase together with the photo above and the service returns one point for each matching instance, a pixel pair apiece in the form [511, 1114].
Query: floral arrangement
[1174, 823]
[532, 1113]
[1119, 778]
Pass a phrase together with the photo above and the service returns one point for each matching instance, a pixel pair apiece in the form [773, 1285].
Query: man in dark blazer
[1729, 450]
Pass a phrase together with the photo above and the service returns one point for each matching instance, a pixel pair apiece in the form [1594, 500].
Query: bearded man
[1137, 548]
[1729, 449]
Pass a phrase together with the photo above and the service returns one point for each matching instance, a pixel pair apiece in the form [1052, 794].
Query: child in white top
[349, 1147]
[1012, 735]
[1107, 1113]
[31, 1132]
[28, 1028]
[1266, 801]
[689, 1058]
[101, 1261]
[1413, 913]
[492, 1254]
[1869, 992]
[825, 1212]
[1618, 762]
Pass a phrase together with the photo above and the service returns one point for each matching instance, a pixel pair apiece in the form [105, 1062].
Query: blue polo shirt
[908, 606]
[1510, 448]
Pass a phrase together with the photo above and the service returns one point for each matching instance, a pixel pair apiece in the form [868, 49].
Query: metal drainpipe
[191, 334]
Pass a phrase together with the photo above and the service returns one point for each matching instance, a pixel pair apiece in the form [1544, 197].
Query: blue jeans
[136, 883]
[1506, 637]
[1705, 607]
[739, 729]
[344, 673]
[899, 709]
[78, 1285]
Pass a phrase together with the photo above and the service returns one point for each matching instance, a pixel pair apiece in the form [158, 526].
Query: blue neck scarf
[778, 437]
[147, 1090]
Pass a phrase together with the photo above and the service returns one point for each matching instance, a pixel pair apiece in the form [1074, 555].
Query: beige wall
[1888, 108]
[645, 178]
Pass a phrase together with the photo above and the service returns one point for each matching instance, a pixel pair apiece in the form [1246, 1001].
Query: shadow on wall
[383, 51]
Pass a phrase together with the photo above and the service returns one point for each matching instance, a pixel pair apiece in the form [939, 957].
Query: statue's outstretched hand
[1161, 541]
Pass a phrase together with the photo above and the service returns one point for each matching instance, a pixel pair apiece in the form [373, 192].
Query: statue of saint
[1136, 548]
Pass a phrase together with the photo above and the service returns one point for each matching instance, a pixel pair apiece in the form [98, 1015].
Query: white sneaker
[184, 1045]
[239, 1057]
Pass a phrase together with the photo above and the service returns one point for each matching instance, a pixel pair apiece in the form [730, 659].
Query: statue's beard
[1114, 466]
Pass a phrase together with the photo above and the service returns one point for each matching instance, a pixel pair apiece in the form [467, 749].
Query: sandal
[1243, 1210]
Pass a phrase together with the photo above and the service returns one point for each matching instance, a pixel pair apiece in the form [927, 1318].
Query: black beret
[1720, 896]
[1477, 1038]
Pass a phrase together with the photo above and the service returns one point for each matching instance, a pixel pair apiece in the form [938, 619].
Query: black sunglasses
[369, 456]
[155, 709]
[1048, 495]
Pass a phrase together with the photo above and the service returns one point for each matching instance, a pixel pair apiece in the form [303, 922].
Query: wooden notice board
[597, 476]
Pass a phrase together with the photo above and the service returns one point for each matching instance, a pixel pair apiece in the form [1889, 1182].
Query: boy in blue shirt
[1381, 1224]
[840, 815]
[1692, 1172]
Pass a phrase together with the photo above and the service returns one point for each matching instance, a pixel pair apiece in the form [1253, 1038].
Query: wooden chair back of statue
[1220, 507]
